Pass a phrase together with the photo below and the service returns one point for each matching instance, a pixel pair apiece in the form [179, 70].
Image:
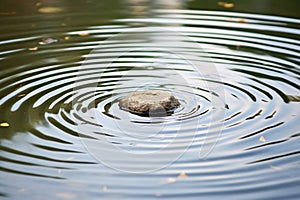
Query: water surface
[235, 72]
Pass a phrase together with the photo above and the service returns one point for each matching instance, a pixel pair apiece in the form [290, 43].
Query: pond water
[234, 66]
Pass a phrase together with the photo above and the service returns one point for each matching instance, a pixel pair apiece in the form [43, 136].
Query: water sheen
[63, 74]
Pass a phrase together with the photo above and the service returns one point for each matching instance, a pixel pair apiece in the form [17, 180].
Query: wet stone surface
[149, 102]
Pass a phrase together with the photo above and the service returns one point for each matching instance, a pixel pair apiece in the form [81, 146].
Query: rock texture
[149, 102]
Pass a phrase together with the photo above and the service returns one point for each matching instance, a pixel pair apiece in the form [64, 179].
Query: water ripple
[60, 101]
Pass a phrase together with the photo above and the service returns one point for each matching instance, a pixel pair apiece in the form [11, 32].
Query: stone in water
[149, 102]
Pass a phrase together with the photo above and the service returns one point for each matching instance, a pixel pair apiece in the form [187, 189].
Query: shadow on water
[64, 65]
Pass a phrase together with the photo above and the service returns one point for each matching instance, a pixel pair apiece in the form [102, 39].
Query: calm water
[234, 67]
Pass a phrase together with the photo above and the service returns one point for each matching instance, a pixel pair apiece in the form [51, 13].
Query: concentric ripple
[236, 76]
[150, 59]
